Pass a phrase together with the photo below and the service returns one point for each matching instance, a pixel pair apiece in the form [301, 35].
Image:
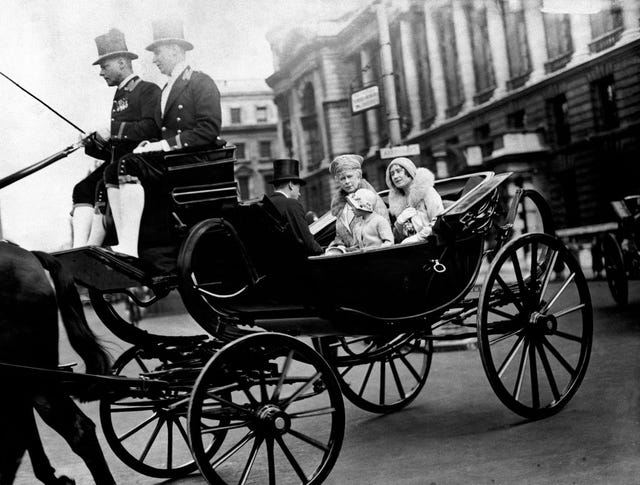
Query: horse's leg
[60, 412]
[13, 442]
[42, 468]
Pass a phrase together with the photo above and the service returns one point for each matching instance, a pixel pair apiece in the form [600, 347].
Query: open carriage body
[244, 400]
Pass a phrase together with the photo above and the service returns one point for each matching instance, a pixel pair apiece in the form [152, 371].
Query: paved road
[458, 432]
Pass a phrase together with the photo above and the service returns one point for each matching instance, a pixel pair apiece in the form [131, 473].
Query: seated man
[287, 182]
[189, 114]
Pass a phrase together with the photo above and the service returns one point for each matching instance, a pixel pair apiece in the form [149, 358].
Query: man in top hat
[132, 121]
[287, 182]
[189, 115]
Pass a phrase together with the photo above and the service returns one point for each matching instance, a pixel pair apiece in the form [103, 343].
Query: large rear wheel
[535, 334]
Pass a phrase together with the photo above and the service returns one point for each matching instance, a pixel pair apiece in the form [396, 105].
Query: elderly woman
[347, 172]
[413, 200]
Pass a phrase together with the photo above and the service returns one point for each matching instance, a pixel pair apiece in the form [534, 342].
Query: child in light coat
[370, 229]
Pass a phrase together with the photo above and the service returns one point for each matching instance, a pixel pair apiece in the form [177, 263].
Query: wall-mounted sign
[400, 151]
[365, 99]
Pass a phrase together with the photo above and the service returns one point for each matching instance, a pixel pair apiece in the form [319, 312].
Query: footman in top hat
[287, 182]
[132, 121]
[189, 115]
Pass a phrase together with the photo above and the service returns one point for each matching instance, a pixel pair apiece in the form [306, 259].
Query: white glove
[151, 146]
[103, 132]
[406, 215]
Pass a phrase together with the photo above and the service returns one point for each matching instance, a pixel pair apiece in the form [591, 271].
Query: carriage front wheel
[280, 406]
[535, 334]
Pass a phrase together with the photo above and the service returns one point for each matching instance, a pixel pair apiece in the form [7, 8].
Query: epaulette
[187, 74]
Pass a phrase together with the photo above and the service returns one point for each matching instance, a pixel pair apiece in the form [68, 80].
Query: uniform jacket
[192, 115]
[132, 119]
[372, 231]
[344, 235]
[422, 196]
[292, 210]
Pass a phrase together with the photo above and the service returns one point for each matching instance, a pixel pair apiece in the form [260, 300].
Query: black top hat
[285, 169]
[112, 44]
[168, 31]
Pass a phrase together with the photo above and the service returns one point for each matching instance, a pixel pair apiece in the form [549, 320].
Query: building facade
[249, 121]
[477, 85]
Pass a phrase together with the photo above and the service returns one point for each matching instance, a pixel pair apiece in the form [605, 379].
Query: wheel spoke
[263, 387]
[559, 357]
[251, 460]
[182, 431]
[138, 427]
[547, 274]
[533, 374]
[396, 377]
[509, 292]
[285, 370]
[504, 336]
[366, 379]
[548, 371]
[141, 363]
[568, 336]
[510, 355]
[558, 293]
[233, 450]
[313, 412]
[382, 382]
[518, 272]
[231, 404]
[271, 464]
[302, 389]
[414, 372]
[309, 440]
[566, 311]
[169, 444]
[225, 427]
[151, 440]
[346, 371]
[292, 460]
[508, 316]
[533, 272]
[520, 376]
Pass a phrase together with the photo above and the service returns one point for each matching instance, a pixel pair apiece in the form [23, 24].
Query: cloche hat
[345, 162]
[168, 31]
[112, 44]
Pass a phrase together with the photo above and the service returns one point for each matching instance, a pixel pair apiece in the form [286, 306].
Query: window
[243, 186]
[265, 148]
[517, 47]
[261, 114]
[427, 103]
[605, 111]
[606, 20]
[482, 135]
[449, 52]
[282, 103]
[310, 130]
[558, 34]
[517, 119]
[476, 17]
[236, 117]
[558, 112]
[240, 152]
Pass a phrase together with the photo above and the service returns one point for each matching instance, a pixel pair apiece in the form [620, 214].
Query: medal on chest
[120, 105]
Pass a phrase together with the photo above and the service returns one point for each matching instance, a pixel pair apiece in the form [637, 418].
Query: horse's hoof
[64, 480]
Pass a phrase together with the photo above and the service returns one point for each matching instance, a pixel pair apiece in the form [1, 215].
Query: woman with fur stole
[413, 200]
[347, 172]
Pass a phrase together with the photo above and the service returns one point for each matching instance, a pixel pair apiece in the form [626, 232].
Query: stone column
[435, 63]
[411, 75]
[498, 44]
[630, 20]
[580, 37]
[296, 127]
[534, 25]
[465, 54]
[368, 77]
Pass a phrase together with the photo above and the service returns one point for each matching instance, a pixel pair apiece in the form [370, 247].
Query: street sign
[400, 151]
[365, 99]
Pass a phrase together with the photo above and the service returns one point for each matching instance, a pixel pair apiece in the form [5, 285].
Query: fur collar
[418, 190]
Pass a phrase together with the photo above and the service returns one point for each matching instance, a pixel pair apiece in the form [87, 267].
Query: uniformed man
[189, 114]
[132, 121]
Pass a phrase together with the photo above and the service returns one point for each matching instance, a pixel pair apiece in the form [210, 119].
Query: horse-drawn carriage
[249, 402]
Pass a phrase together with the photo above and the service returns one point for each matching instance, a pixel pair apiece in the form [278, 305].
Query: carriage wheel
[615, 269]
[149, 433]
[534, 213]
[534, 335]
[379, 374]
[284, 409]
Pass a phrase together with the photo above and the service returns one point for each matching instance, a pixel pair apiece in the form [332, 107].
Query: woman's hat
[168, 31]
[345, 162]
[363, 199]
[112, 44]
[405, 163]
[286, 169]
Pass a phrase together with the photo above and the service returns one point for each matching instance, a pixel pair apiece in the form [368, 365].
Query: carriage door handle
[436, 266]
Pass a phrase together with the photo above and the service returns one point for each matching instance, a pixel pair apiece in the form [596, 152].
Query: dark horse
[29, 337]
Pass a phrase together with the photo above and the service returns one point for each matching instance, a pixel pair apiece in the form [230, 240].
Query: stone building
[249, 121]
[478, 85]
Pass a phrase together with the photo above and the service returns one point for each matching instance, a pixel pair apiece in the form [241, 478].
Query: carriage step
[68, 366]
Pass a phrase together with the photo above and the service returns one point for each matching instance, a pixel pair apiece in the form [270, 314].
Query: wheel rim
[379, 374]
[615, 269]
[534, 335]
[285, 411]
[148, 433]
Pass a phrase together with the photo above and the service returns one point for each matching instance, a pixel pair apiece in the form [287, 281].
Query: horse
[29, 337]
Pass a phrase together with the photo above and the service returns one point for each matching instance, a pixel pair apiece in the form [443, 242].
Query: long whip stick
[43, 103]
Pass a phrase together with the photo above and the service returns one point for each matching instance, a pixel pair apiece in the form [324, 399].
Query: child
[370, 229]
